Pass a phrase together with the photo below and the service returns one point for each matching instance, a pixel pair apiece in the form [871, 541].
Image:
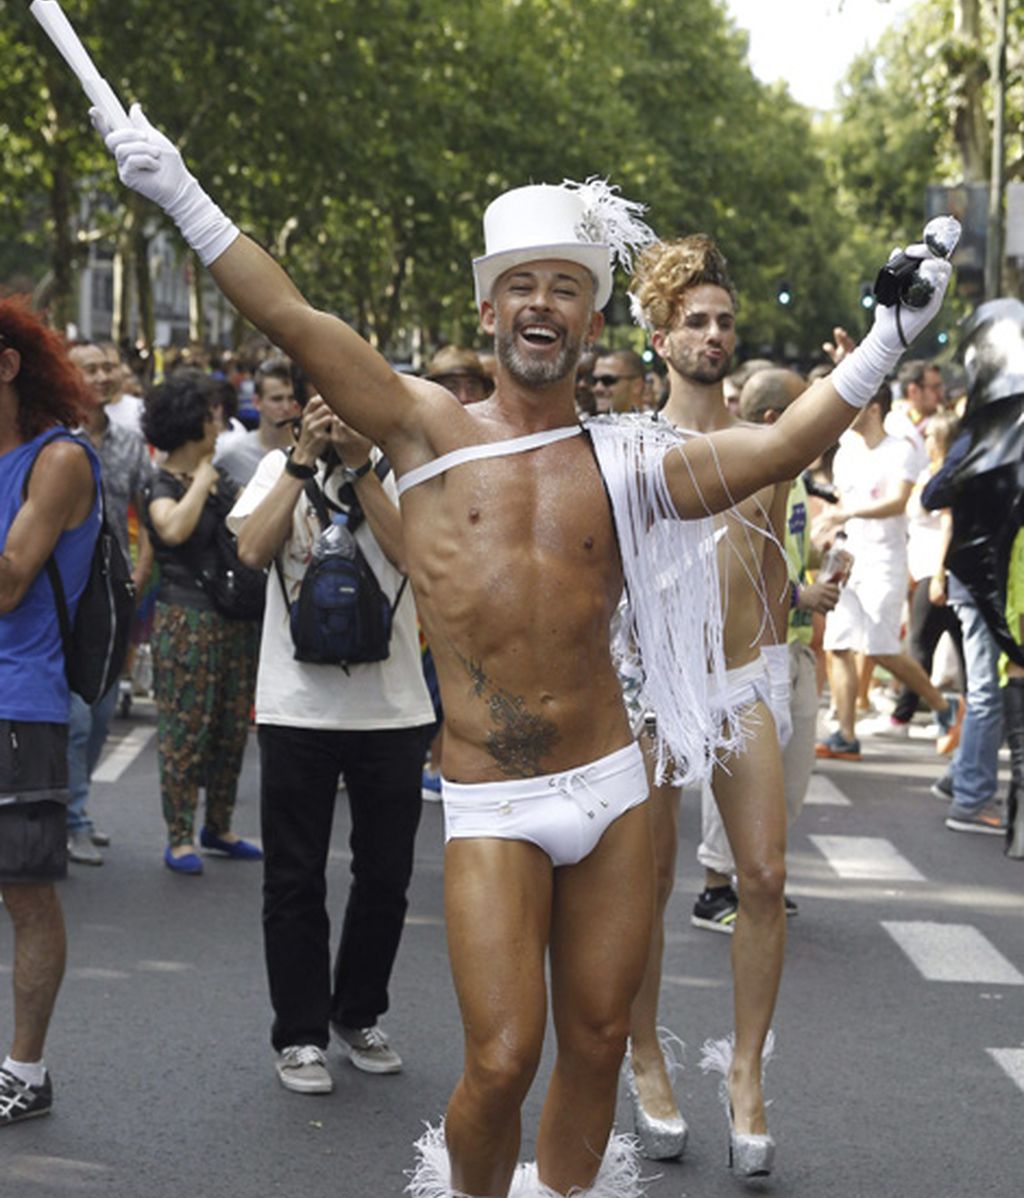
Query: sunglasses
[609, 380]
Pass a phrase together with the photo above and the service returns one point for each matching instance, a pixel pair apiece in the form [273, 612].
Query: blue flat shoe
[190, 863]
[240, 850]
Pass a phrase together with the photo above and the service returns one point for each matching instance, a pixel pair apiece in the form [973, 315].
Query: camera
[900, 282]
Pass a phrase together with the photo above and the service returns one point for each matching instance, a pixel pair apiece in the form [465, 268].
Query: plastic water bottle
[336, 540]
[838, 562]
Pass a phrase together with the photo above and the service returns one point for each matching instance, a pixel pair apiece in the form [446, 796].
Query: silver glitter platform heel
[659, 1139]
[749, 1155]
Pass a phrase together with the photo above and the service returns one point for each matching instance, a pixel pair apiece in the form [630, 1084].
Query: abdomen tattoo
[520, 739]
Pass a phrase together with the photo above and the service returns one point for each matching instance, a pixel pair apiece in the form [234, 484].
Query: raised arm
[709, 474]
[351, 376]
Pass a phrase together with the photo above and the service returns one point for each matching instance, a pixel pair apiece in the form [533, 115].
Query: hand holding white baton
[58, 28]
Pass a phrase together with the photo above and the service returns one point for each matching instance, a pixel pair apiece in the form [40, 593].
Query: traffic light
[784, 293]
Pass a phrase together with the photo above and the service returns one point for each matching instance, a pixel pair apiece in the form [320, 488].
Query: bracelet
[297, 470]
[351, 474]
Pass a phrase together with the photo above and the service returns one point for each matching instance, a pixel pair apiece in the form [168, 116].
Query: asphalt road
[900, 1065]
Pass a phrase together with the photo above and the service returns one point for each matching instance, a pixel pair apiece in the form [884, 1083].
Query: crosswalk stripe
[1012, 1061]
[866, 857]
[823, 792]
[953, 952]
[121, 755]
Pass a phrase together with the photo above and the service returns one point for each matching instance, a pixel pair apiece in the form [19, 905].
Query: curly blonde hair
[667, 269]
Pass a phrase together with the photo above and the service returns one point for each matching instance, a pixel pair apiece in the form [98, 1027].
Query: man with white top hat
[512, 550]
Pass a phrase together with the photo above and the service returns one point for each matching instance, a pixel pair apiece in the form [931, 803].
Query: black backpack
[96, 644]
[341, 616]
[238, 591]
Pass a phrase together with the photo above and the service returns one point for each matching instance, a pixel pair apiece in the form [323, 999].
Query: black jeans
[927, 624]
[300, 768]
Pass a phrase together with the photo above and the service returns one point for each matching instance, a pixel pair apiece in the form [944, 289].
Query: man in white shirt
[367, 724]
[123, 409]
[874, 474]
[923, 393]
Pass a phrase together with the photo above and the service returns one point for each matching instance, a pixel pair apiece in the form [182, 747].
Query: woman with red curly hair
[50, 387]
[49, 509]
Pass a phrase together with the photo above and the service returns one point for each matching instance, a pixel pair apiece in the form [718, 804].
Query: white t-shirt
[386, 694]
[127, 412]
[864, 476]
[899, 423]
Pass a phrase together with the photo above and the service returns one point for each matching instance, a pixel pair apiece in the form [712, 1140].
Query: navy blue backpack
[341, 616]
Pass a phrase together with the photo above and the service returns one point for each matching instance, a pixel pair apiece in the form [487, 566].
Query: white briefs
[744, 685]
[490, 449]
[564, 814]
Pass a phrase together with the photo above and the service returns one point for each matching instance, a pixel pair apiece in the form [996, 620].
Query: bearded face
[531, 370]
[540, 315]
[702, 340]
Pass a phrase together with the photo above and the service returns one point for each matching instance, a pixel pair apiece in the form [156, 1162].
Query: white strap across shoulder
[491, 449]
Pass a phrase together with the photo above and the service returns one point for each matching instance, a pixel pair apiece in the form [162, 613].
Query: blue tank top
[33, 685]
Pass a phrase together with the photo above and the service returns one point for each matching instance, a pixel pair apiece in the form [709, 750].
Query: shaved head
[769, 391]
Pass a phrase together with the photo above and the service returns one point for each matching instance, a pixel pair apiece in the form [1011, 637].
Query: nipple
[588, 542]
[474, 515]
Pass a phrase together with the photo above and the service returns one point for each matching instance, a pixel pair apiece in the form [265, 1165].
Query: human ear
[487, 317]
[10, 365]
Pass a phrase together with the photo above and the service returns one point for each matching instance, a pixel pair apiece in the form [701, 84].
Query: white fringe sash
[674, 619]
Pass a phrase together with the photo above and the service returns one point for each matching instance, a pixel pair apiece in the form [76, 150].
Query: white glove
[859, 375]
[149, 164]
[776, 658]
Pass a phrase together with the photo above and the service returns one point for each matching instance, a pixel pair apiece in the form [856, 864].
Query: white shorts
[564, 814]
[867, 616]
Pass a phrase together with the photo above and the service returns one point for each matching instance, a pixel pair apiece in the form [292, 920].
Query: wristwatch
[350, 475]
[297, 470]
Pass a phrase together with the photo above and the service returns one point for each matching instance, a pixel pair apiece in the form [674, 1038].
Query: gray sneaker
[303, 1068]
[367, 1048]
[990, 820]
[81, 849]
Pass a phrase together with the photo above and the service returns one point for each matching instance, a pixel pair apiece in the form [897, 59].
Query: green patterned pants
[204, 671]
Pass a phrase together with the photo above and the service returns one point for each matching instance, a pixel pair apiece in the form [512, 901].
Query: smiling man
[512, 551]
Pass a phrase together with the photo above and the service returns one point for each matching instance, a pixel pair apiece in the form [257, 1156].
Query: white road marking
[121, 755]
[1012, 1060]
[866, 857]
[823, 792]
[953, 952]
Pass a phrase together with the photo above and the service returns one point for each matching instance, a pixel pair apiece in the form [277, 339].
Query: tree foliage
[360, 140]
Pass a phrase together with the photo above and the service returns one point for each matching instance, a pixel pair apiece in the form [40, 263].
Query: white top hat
[584, 223]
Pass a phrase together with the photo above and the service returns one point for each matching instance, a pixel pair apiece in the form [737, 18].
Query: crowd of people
[631, 578]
